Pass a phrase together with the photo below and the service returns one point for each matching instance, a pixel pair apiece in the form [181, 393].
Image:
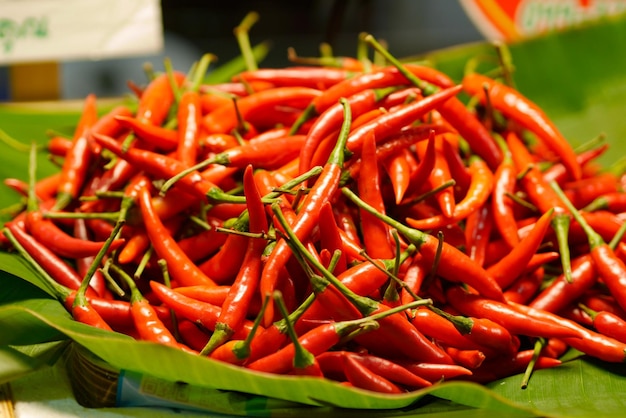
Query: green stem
[303, 358]
[539, 344]
[560, 224]
[243, 39]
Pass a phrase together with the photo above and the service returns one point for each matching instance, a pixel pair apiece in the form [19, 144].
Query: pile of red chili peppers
[351, 221]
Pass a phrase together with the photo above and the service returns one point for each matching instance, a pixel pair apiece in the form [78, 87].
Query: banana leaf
[577, 76]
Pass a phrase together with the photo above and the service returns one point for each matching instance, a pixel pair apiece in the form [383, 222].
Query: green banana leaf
[578, 77]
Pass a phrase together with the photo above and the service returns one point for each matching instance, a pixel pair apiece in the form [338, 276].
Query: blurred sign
[56, 30]
[511, 20]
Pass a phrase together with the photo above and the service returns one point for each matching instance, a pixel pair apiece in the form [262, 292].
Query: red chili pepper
[614, 202]
[478, 227]
[538, 190]
[589, 342]
[526, 113]
[330, 237]
[376, 235]
[454, 265]
[498, 368]
[60, 270]
[225, 120]
[202, 313]
[241, 292]
[78, 160]
[435, 373]
[322, 190]
[511, 266]
[60, 242]
[470, 359]
[362, 377]
[525, 287]
[83, 264]
[503, 314]
[180, 266]
[154, 136]
[557, 172]
[582, 192]
[607, 323]
[157, 98]
[299, 76]
[189, 117]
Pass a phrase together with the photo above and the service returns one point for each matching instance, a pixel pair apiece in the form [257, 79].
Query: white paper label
[54, 30]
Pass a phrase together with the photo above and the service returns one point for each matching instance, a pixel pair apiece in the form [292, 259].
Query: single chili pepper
[468, 358]
[376, 235]
[607, 323]
[601, 301]
[237, 88]
[224, 119]
[444, 331]
[561, 293]
[589, 342]
[454, 264]
[189, 117]
[398, 169]
[217, 142]
[78, 159]
[60, 242]
[503, 314]
[157, 98]
[83, 264]
[297, 76]
[434, 372]
[477, 194]
[478, 227]
[59, 146]
[155, 136]
[322, 190]
[511, 266]
[526, 113]
[235, 307]
[505, 179]
[61, 271]
[614, 202]
[181, 267]
[610, 268]
[362, 377]
[457, 166]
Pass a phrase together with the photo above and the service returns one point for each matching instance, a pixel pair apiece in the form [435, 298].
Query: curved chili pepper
[60, 242]
[362, 377]
[499, 368]
[505, 180]
[477, 194]
[330, 237]
[376, 236]
[155, 136]
[589, 342]
[235, 307]
[78, 159]
[83, 264]
[614, 202]
[525, 287]
[478, 227]
[180, 266]
[557, 172]
[503, 314]
[512, 265]
[61, 271]
[526, 113]
[607, 323]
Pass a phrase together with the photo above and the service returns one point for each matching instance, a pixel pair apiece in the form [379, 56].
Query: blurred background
[194, 27]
